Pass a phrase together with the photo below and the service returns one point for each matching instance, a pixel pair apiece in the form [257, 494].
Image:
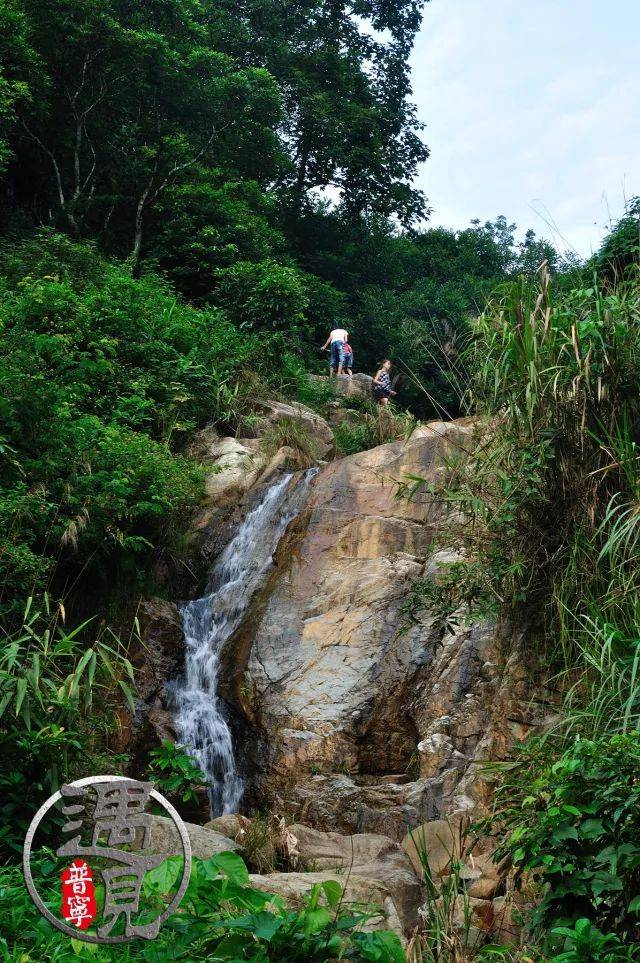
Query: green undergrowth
[571, 815]
[60, 689]
[221, 917]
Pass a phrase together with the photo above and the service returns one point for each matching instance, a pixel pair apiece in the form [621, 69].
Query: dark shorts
[347, 360]
[381, 392]
[336, 353]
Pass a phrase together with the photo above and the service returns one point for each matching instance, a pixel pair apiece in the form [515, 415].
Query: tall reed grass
[548, 506]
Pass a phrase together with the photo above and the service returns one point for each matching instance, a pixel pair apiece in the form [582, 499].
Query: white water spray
[200, 718]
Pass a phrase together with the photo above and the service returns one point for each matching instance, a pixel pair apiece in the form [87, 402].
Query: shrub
[376, 426]
[545, 521]
[263, 295]
[573, 818]
[175, 773]
[58, 688]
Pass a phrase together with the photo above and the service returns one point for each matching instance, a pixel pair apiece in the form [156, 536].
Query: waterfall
[200, 717]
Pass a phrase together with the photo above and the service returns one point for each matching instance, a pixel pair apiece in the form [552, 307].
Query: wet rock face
[157, 658]
[162, 654]
[366, 720]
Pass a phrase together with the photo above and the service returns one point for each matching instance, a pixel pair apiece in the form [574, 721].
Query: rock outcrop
[358, 385]
[365, 855]
[368, 719]
[266, 414]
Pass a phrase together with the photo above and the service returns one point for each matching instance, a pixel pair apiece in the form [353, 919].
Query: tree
[348, 124]
[621, 247]
[137, 98]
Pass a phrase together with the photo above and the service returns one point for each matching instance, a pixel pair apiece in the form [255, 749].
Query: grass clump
[375, 426]
[290, 433]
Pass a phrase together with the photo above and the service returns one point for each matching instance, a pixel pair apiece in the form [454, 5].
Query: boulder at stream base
[372, 869]
[370, 893]
[232, 825]
[365, 855]
[435, 843]
[204, 842]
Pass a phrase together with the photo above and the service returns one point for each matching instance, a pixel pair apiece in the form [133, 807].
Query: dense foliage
[58, 691]
[101, 375]
[574, 817]
[202, 138]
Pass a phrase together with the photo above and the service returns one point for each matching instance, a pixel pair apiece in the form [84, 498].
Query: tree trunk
[137, 236]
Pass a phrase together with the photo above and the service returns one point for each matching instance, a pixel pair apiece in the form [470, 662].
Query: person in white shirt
[335, 342]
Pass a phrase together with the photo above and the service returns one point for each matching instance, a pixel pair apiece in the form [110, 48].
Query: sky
[532, 111]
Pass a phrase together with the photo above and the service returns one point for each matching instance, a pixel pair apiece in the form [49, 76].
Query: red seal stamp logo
[78, 894]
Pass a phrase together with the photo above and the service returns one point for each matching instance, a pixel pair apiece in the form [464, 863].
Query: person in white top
[336, 342]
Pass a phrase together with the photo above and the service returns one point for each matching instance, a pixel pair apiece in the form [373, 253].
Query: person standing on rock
[335, 342]
[382, 383]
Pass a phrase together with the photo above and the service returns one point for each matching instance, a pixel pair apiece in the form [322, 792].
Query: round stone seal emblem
[108, 852]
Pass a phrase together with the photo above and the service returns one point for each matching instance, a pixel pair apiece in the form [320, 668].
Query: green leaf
[565, 832]
[21, 691]
[128, 695]
[80, 948]
[592, 828]
[333, 891]
[316, 920]
[263, 925]
[232, 866]
[163, 878]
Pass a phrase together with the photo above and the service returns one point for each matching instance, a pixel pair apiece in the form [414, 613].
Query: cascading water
[209, 621]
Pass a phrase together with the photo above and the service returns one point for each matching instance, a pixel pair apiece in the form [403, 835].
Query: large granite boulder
[358, 891]
[364, 855]
[233, 465]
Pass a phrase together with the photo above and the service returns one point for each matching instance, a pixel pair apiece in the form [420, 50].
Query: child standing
[382, 383]
[347, 359]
